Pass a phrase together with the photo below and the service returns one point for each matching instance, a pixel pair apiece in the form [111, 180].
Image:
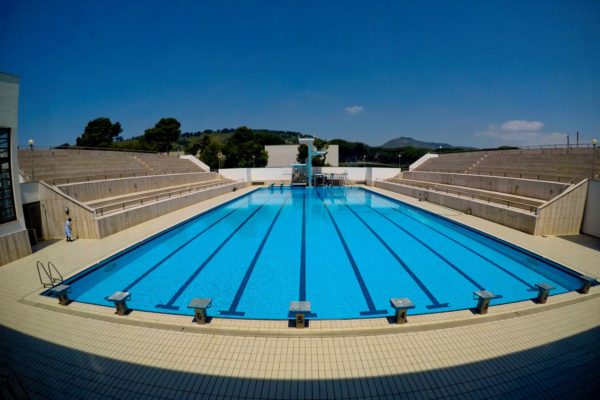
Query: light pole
[219, 156]
[399, 167]
[594, 143]
[253, 157]
[364, 161]
[30, 143]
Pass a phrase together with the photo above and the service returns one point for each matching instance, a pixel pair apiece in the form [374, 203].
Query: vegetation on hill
[244, 147]
[99, 132]
[410, 142]
[163, 135]
[359, 154]
[102, 133]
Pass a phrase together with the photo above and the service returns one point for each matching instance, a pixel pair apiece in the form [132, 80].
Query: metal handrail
[48, 272]
[89, 178]
[38, 147]
[473, 196]
[154, 198]
[504, 174]
[539, 177]
[39, 266]
[51, 267]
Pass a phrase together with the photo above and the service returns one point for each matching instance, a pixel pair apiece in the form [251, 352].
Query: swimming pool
[346, 250]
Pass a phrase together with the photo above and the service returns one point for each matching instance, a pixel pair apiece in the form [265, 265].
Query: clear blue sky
[475, 73]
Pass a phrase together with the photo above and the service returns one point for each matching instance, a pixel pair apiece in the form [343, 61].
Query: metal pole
[399, 158]
[32, 160]
[594, 142]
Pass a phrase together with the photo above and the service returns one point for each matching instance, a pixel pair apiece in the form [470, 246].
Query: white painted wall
[236, 174]
[196, 161]
[30, 192]
[285, 155]
[9, 105]
[591, 216]
[380, 174]
[356, 174]
[422, 160]
[271, 174]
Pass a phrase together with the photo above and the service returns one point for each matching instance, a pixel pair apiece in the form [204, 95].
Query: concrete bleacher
[539, 191]
[61, 165]
[569, 165]
[502, 199]
[107, 191]
[452, 162]
[561, 165]
[94, 190]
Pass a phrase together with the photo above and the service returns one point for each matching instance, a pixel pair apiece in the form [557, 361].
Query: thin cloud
[522, 133]
[518, 125]
[353, 110]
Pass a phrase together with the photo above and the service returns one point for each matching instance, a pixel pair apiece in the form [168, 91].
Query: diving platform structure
[302, 174]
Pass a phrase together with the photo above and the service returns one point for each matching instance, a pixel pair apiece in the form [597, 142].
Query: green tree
[302, 153]
[210, 154]
[317, 161]
[244, 150]
[163, 135]
[192, 148]
[99, 132]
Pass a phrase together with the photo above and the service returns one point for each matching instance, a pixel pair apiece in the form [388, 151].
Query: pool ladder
[52, 274]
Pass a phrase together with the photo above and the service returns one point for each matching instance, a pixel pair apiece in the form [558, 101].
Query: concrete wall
[237, 174]
[285, 155]
[117, 222]
[14, 246]
[563, 214]
[53, 203]
[86, 191]
[522, 187]
[422, 160]
[512, 218]
[14, 241]
[196, 161]
[88, 226]
[284, 174]
[30, 192]
[591, 217]
[560, 216]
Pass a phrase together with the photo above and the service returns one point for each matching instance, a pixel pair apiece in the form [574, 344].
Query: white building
[285, 155]
[14, 239]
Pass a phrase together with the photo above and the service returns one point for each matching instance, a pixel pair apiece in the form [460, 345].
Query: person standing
[68, 230]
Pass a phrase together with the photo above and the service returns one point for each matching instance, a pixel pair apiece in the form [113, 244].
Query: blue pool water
[346, 250]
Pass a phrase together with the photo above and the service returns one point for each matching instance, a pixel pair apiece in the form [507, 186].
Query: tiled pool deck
[520, 350]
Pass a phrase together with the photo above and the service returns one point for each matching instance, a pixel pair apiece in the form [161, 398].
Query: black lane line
[363, 287]
[523, 281]
[302, 295]
[162, 261]
[431, 249]
[240, 292]
[179, 292]
[415, 278]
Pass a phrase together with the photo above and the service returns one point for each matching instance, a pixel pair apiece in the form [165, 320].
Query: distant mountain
[410, 142]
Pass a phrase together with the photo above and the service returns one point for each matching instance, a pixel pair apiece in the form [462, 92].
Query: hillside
[410, 142]
[221, 136]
